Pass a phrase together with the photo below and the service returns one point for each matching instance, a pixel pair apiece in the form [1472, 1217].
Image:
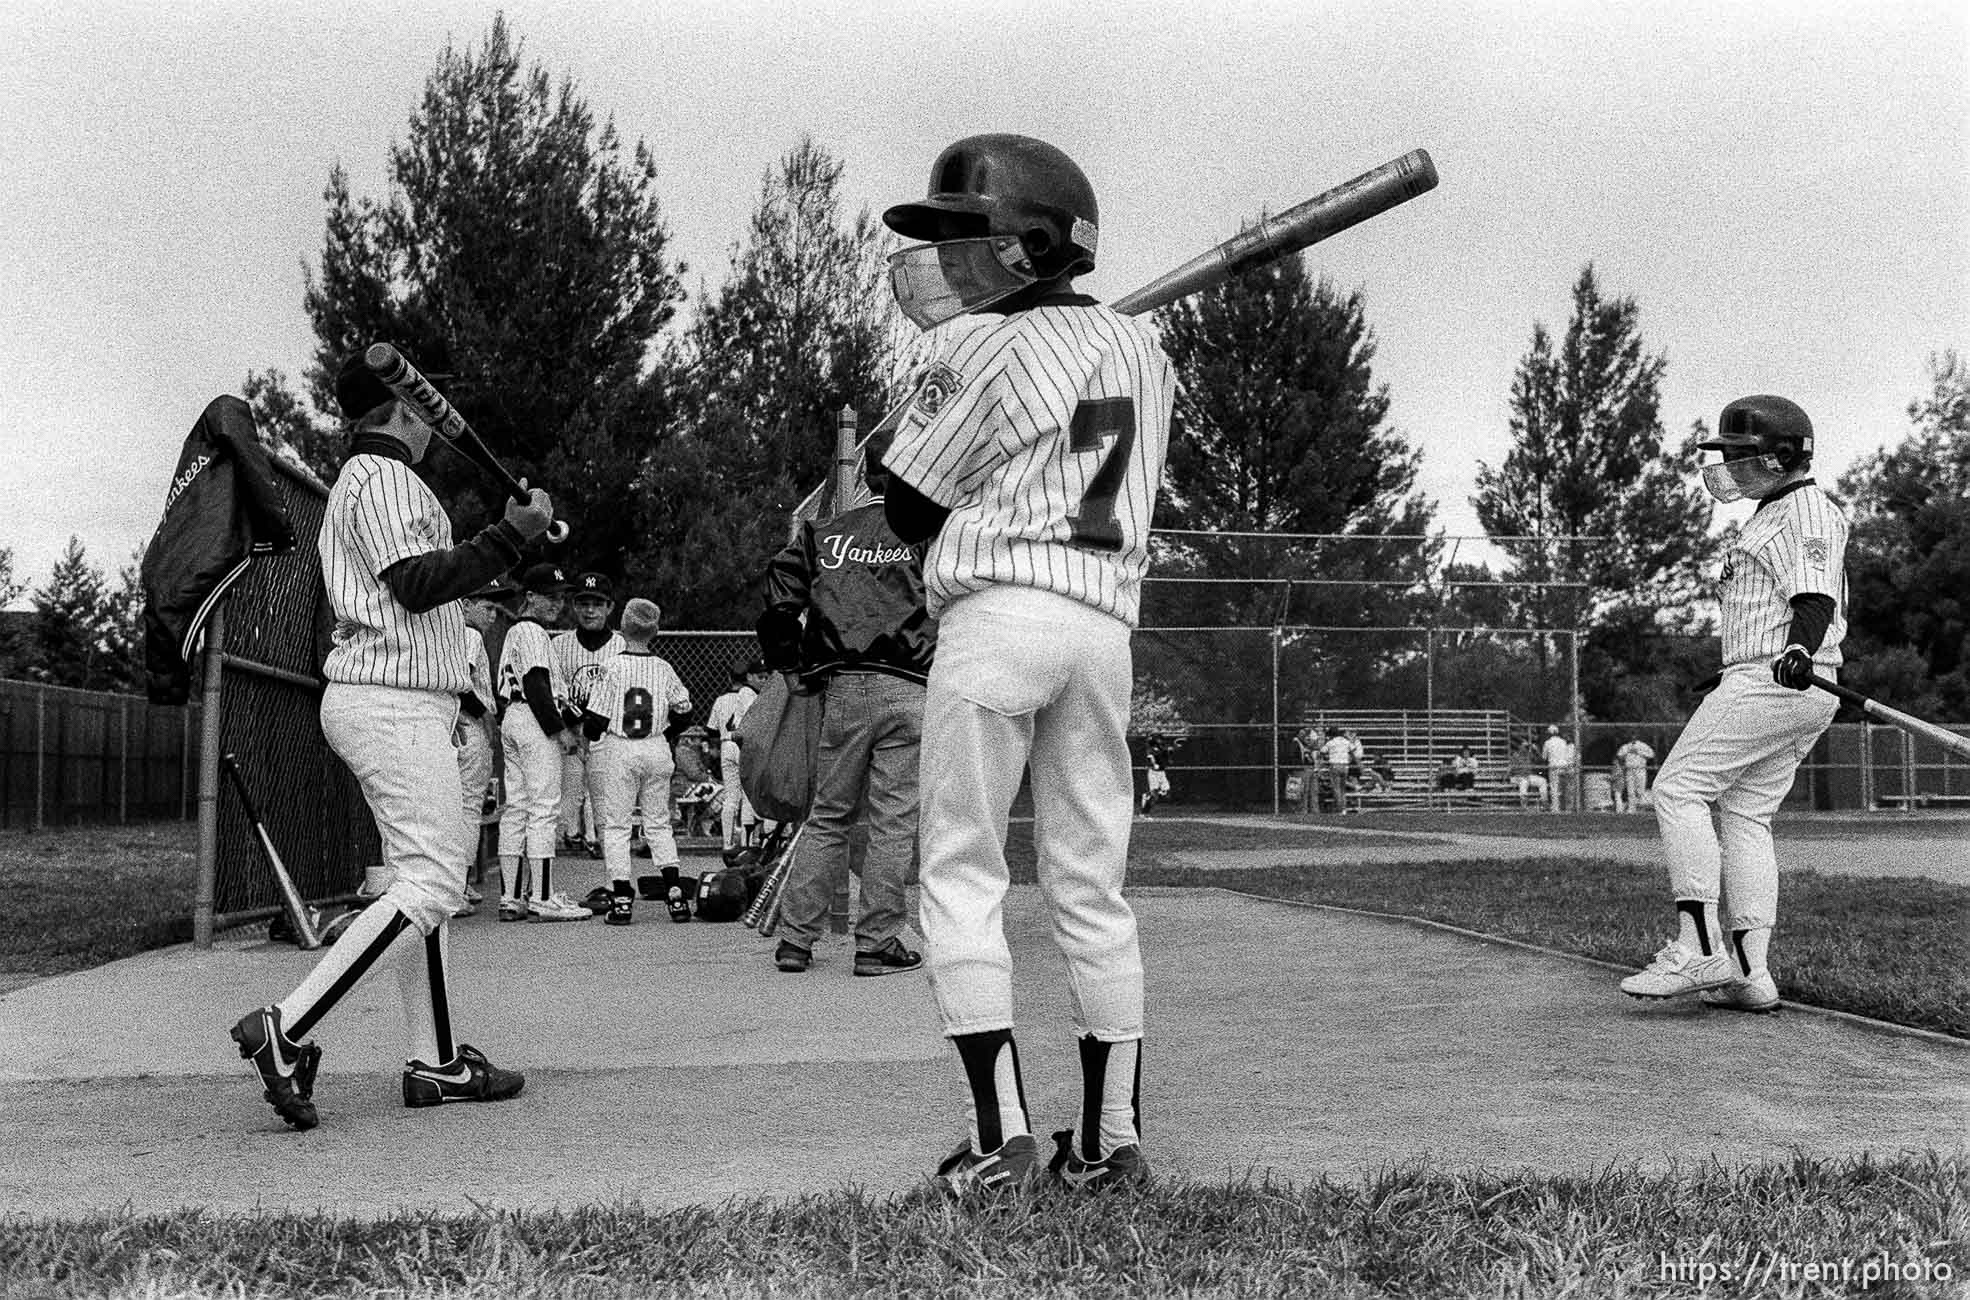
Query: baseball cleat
[557, 907]
[964, 1171]
[792, 958]
[512, 909]
[1754, 992]
[287, 1070]
[473, 896]
[680, 908]
[622, 910]
[1122, 1165]
[469, 1076]
[890, 959]
[464, 909]
[1676, 970]
[599, 900]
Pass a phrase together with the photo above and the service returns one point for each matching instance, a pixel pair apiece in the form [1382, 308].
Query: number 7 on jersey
[1095, 421]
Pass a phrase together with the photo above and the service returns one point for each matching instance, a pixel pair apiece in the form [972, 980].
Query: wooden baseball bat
[1873, 708]
[1266, 240]
[297, 911]
[403, 379]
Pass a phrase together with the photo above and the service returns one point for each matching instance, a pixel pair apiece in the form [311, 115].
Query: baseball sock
[996, 1110]
[1696, 925]
[427, 1003]
[544, 880]
[509, 877]
[1753, 947]
[1111, 1085]
[375, 928]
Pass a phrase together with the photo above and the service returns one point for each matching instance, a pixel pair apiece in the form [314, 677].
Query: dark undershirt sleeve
[471, 705]
[593, 725]
[421, 583]
[1812, 614]
[539, 690]
[912, 516]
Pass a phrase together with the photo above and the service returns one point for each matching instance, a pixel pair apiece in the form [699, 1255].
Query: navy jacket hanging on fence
[224, 507]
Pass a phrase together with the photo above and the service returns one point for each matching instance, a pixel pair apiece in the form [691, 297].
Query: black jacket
[861, 588]
[224, 507]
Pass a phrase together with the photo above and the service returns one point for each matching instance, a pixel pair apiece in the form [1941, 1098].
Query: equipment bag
[779, 744]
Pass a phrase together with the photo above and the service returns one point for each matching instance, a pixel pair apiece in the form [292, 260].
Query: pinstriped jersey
[580, 668]
[479, 667]
[378, 513]
[637, 694]
[1793, 544]
[527, 647]
[1044, 434]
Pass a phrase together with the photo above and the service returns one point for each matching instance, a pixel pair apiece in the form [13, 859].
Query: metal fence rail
[70, 756]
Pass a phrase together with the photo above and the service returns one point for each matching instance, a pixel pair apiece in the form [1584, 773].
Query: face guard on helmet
[1760, 441]
[1004, 212]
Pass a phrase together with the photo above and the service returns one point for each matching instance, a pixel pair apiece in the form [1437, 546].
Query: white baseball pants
[475, 772]
[577, 788]
[1028, 676]
[533, 786]
[734, 808]
[397, 744]
[1740, 753]
[625, 773]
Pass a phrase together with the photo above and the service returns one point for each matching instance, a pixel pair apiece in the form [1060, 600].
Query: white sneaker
[473, 896]
[557, 907]
[1754, 992]
[1676, 970]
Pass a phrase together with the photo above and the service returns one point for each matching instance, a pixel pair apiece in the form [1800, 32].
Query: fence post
[1579, 751]
[123, 766]
[208, 778]
[1275, 719]
[40, 756]
[1908, 772]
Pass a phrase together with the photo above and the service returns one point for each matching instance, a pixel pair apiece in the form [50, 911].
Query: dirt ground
[672, 1064]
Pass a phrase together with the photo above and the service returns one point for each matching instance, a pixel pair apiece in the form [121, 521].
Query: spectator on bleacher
[1525, 773]
[1335, 755]
[1464, 770]
[1631, 774]
[1562, 772]
[1446, 774]
[1356, 753]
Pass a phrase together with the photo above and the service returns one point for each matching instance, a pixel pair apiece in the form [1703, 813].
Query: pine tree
[71, 641]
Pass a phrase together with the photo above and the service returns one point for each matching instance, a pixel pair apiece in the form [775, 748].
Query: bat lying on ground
[403, 379]
[1265, 240]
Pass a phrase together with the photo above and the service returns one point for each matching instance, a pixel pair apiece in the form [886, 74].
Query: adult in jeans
[867, 642]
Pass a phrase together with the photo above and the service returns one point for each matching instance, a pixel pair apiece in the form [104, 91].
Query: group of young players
[1028, 462]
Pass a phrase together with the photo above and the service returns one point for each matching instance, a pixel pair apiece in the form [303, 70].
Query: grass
[84, 895]
[1408, 1231]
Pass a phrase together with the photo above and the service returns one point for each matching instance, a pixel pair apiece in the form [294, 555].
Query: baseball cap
[594, 584]
[498, 589]
[545, 579]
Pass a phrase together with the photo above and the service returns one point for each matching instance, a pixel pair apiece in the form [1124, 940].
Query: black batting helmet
[1763, 426]
[1008, 185]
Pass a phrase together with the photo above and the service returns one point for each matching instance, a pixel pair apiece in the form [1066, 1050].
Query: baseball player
[580, 656]
[477, 732]
[1031, 453]
[1562, 771]
[1783, 595]
[1156, 766]
[634, 713]
[394, 678]
[533, 735]
[728, 713]
[1631, 763]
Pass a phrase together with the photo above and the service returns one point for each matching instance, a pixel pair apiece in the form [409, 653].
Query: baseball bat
[1873, 708]
[1267, 240]
[1273, 237]
[304, 929]
[769, 890]
[403, 379]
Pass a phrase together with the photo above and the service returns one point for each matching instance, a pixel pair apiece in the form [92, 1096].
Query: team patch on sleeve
[940, 384]
[1814, 550]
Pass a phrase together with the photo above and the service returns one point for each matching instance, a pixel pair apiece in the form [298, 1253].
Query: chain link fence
[272, 634]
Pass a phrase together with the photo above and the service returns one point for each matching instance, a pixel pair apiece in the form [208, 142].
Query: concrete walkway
[672, 1064]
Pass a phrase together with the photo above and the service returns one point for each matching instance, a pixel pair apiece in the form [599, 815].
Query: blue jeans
[870, 733]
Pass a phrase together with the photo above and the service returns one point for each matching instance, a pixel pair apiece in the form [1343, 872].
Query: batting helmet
[1763, 426]
[1008, 185]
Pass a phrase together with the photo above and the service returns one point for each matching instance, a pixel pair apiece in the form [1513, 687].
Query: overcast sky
[1782, 186]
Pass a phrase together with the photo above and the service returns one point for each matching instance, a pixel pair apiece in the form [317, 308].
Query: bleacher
[1416, 743]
